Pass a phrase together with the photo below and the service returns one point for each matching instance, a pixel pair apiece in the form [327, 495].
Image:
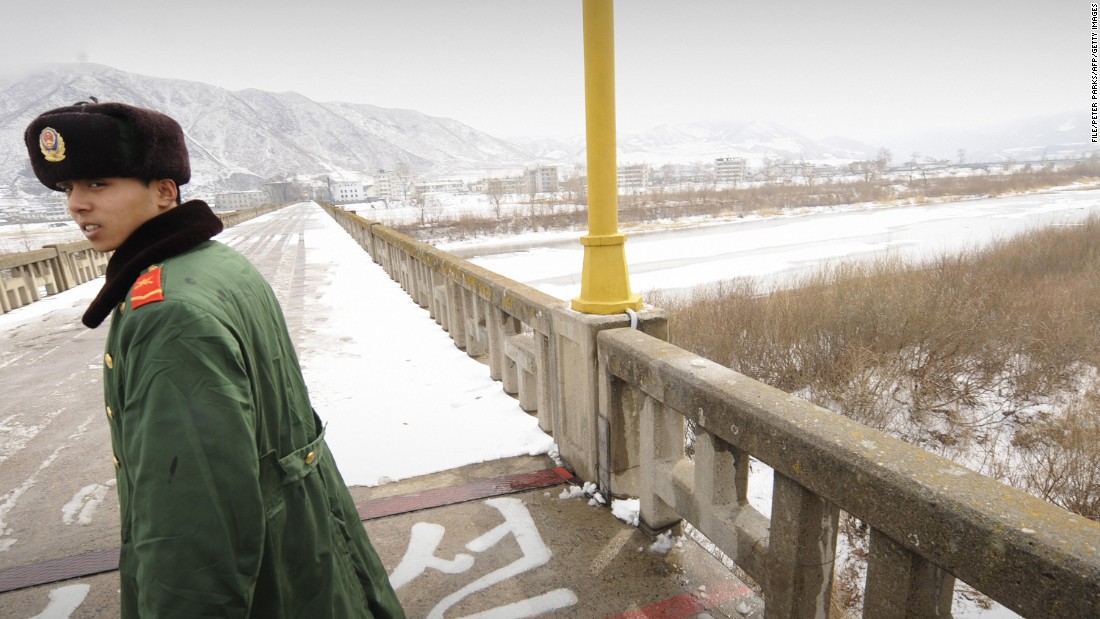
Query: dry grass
[568, 210]
[990, 358]
[986, 357]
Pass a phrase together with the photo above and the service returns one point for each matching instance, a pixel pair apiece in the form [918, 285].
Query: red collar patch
[147, 289]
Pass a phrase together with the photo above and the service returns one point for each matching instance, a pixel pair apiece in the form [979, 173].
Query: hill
[240, 139]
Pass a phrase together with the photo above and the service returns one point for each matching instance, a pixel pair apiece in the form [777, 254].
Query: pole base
[605, 282]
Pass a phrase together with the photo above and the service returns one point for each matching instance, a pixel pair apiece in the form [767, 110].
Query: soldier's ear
[167, 192]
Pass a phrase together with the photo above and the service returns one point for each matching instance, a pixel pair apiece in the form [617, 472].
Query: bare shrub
[960, 355]
[704, 199]
[1060, 456]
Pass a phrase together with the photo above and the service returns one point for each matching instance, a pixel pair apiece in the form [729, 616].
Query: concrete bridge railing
[617, 401]
[26, 277]
[931, 521]
[542, 351]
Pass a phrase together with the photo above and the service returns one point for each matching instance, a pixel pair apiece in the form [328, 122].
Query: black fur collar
[169, 234]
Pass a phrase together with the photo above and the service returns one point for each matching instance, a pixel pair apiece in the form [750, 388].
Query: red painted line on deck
[441, 497]
[56, 570]
[92, 563]
[688, 604]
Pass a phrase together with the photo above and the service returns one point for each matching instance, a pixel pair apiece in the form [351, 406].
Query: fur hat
[101, 140]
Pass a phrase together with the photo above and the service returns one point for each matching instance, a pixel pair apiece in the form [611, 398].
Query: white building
[729, 170]
[502, 186]
[390, 185]
[635, 176]
[440, 186]
[541, 179]
[344, 192]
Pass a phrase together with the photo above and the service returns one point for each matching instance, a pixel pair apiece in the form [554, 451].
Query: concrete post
[66, 277]
[577, 421]
[801, 552]
[904, 585]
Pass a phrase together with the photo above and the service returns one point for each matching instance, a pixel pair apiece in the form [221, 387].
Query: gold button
[122, 307]
[310, 457]
[110, 413]
[117, 463]
[109, 360]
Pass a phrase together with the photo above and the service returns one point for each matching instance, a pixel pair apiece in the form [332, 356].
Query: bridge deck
[58, 512]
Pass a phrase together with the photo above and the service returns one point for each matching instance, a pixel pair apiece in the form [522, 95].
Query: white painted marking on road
[610, 550]
[22, 358]
[9, 500]
[420, 556]
[14, 434]
[63, 601]
[82, 506]
[424, 541]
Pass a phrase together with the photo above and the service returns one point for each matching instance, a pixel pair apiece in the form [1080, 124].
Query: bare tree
[494, 189]
[531, 195]
[912, 163]
[424, 204]
[882, 160]
[575, 190]
[24, 236]
[405, 176]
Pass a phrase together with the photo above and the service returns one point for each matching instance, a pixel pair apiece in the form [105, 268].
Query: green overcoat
[231, 504]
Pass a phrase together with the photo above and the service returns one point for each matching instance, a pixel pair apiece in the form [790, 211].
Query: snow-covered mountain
[701, 141]
[241, 139]
[1052, 136]
[704, 141]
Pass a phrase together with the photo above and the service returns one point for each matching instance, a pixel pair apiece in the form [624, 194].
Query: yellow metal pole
[605, 282]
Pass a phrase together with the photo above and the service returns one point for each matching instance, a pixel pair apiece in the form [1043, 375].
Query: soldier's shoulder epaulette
[148, 288]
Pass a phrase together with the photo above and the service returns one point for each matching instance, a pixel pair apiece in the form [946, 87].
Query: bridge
[496, 539]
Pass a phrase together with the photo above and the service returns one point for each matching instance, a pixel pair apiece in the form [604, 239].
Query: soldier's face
[108, 210]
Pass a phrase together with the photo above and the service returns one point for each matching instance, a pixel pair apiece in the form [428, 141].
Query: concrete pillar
[662, 440]
[577, 419]
[902, 585]
[63, 263]
[801, 552]
[456, 314]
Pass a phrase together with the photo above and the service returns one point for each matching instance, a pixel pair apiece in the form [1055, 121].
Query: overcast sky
[857, 68]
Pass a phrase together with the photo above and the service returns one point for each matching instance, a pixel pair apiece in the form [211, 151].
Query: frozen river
[773, 250]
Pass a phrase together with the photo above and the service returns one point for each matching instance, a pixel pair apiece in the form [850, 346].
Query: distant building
[240, 200]
[383, 185]
[345, 192]
[730, 170]
[47, 210]
[635, 176]
[541, 179]
[503, 186]
[440, 186]
[391, 185]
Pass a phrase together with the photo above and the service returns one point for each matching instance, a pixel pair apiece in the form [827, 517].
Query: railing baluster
[498, 325]
[544, 368]
[456, 307]
[904, 585]
[646, 389]
[715, 472]
[662, 442]
[801, 552]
